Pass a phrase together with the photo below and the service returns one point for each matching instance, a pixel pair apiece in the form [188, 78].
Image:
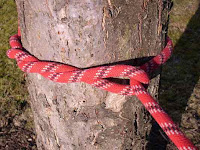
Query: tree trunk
[85, 33]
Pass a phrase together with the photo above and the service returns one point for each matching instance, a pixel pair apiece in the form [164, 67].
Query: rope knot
[98, 77]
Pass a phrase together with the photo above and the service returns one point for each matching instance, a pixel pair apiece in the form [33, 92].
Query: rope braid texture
[62, 73]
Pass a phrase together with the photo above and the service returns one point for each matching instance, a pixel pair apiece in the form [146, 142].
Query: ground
[16, 125]
[180, 82]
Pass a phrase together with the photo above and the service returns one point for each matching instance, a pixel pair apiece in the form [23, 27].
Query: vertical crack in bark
[24, 18]
[160, 6]
[57, 140]
[103, 24]
[145, 3]
[54, 133]
[136, 124]
[47, 4]
[140, 29]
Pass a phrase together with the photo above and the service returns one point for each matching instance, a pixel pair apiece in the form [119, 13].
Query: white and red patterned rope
[96, 76]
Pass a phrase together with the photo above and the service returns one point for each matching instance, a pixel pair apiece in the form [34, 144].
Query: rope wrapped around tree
[96, 76]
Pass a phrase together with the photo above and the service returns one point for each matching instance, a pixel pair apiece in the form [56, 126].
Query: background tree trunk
[85, 33]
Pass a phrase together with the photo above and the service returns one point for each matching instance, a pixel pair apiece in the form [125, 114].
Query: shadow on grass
[182, 72]
[178, 79]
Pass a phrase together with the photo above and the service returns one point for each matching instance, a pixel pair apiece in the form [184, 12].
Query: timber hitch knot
[96, 76]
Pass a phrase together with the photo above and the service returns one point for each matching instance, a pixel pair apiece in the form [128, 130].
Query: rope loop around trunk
[96, 76]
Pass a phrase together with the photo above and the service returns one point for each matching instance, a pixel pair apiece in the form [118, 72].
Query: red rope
[96, 76]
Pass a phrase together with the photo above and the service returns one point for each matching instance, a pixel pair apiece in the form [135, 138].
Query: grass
[180, 79]
[13, 93]
[181, 73]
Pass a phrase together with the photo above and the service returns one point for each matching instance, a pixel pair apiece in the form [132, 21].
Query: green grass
[181, 73]
[13, 94]
[180, 79]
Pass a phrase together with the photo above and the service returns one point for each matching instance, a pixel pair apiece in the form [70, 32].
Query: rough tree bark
[85, 33]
